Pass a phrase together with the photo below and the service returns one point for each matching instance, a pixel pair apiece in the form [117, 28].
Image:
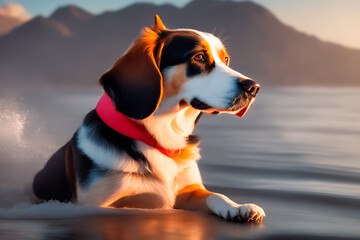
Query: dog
[136, 148]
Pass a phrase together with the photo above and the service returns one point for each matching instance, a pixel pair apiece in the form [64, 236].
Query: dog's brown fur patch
[223, 54]
[174, 84]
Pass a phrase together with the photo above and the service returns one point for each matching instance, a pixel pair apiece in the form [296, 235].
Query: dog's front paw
[250, 213]
[230, 211]
[243, 213]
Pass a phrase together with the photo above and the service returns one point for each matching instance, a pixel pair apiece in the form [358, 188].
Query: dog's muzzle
[250, 89]
[247, 89]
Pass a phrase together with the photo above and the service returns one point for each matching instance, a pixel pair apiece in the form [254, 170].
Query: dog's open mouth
[242, 111]
[198, 104]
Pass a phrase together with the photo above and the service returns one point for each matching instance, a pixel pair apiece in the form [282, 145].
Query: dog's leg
[56, 180]
[197, 198]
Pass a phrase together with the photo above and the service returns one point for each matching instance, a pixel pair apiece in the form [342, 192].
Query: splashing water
[20, 156]
[33, 125]
[21, 139]
[12, 122]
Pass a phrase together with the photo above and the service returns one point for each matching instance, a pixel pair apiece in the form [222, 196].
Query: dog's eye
[199, 57]
[226, 60]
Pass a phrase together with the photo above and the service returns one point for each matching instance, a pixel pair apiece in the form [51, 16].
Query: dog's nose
[249, 86]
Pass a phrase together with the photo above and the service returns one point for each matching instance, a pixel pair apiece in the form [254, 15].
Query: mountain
[71, 16]
[8, 23]
[74, 47]
[12, 15]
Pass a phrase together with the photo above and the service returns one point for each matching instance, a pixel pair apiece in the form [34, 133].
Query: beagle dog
[136, 148]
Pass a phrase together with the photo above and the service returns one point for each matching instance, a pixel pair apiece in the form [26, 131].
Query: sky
[331, 20]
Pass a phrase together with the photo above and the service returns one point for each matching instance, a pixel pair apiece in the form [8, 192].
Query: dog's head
[182, 66]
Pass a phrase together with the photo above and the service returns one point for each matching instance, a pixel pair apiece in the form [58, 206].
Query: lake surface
[296, 153]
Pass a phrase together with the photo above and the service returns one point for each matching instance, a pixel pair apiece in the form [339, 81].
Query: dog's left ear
[159, 24]
[135, 83]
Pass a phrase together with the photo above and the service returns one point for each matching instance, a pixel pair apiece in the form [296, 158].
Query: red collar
[128, 127]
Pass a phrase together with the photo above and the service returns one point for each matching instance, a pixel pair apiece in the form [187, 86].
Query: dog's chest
[130, 183]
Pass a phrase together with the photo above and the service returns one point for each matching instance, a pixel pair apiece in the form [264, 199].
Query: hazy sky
[332, 20]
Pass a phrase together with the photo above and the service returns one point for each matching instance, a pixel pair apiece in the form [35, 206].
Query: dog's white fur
[171, 128]
[227, 209]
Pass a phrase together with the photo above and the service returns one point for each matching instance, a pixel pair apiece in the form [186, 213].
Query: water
[296, 153]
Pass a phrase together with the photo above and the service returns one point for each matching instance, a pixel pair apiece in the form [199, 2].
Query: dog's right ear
[135, 83]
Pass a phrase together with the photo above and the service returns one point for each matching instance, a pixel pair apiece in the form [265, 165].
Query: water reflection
[296, 154]
[160, 225]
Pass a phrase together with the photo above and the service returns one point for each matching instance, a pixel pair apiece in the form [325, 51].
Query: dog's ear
[135, 83]
[159, 24]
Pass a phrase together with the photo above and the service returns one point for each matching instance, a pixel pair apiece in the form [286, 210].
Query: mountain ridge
[7, 24]
[75, 47]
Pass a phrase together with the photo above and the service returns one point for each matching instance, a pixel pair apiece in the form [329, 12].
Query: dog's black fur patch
[52, 183]
[85, 167]
[193, 69]
[180, 48]
[193, 139]
[106, 136]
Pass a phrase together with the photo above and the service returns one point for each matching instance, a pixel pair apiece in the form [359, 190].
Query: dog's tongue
[242, 112]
